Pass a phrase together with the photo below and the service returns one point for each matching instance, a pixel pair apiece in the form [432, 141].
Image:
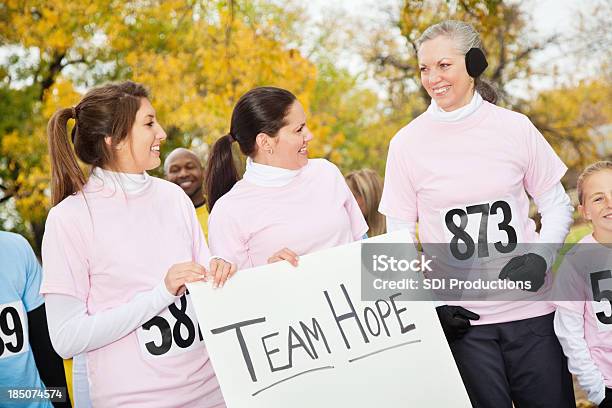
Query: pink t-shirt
[488, 162]
[585, 270]
[316, 210]
[105, 250]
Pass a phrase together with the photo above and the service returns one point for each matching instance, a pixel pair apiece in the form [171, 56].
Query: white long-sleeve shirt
[73, 331]
[569, 327]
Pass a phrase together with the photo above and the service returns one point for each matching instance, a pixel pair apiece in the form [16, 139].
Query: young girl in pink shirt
[583, 321]
[118, 248]
[285, 205]
[463, 170]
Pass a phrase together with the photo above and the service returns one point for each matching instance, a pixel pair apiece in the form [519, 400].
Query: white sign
[280, 336]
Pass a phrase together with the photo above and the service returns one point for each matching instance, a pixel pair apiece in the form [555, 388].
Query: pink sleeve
[399, 199]
[225, 237]
[64, 258]
[544, 167]
[201, 253]
[568, 290]
[359, 227]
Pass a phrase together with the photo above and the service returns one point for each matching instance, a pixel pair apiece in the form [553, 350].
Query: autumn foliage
[198, 56]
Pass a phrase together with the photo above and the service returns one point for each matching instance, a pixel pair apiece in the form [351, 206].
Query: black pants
[607, 402]
[520, 362]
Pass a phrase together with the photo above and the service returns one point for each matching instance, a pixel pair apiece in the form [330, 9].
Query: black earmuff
[475, 62]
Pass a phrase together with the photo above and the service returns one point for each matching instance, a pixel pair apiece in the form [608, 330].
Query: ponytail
[67, 177]
[487, 90]
[107, 111]
[260, 110]
[221, 172]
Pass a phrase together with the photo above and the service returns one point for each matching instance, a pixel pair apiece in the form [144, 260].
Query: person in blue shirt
[27, 359]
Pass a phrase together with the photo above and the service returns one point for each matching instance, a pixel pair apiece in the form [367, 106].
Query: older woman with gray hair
[463, 170]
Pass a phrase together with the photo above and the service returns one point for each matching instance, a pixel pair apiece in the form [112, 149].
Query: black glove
[607, 402]
[455, 321]
[526, 268]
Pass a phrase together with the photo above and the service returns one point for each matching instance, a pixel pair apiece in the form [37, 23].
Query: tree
[198, 57]
[42, 41]
[573, 118]
[504, 29]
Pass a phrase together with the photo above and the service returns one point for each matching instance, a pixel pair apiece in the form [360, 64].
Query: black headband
[475, 62]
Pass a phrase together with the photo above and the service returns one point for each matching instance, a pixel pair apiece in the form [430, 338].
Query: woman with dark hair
[285, 205]
[118, 249]
[463, 170]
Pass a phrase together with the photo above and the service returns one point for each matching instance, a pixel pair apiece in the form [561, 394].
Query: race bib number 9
[601, 284]
[174, 331]
[469, 230]
[13, 332]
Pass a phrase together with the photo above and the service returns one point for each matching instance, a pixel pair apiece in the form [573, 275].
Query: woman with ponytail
[285, 205]
[118, 249]
[463, 170]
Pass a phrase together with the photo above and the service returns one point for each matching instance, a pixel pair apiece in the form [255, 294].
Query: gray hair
[463, 33]
[465, 38]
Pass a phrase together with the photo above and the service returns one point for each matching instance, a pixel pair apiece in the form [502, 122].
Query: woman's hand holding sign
[180, 274]
[220, 271]
[284, 254]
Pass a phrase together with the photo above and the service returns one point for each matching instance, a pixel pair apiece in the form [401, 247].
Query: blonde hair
[589, 171]
[368, 185]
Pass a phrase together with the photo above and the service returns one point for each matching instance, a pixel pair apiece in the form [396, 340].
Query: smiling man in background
[183, 167]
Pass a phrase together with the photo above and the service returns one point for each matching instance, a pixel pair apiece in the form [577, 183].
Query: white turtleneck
[130, 183]
[268, 176]
[441, 115]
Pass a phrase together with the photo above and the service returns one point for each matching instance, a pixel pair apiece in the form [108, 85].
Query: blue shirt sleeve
[31, 294]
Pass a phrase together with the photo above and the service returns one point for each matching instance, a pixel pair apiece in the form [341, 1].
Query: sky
[550, 17]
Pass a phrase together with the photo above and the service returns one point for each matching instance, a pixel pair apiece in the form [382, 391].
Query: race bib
[601, 285]
[13, 330]
[481, 230]
[174, 331]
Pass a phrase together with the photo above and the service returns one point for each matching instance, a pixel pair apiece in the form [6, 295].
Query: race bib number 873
[13, 332]
[470, 229]
[174, 331]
